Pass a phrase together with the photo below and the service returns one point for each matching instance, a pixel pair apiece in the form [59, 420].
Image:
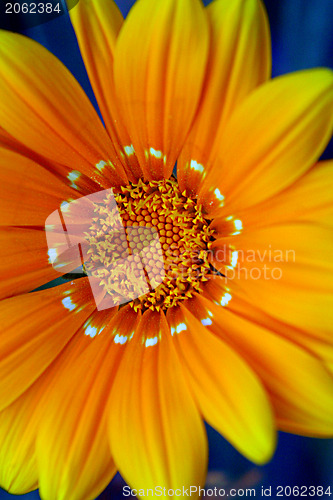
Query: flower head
[235, 327]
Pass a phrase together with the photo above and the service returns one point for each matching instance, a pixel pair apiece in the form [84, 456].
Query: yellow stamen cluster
[184, 238]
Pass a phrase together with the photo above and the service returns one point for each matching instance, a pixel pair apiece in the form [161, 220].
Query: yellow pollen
[184, 235]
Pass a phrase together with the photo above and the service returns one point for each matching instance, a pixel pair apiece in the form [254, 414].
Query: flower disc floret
[184, 235]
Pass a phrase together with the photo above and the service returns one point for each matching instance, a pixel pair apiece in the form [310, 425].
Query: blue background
[302, 37]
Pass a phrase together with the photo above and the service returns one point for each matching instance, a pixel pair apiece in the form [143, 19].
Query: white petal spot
[173, 330]
[152, 341]
[206, 322]
[52, 253]
[238, 224]
[181, 327]
[226, 299]
[234, 258]
[131, 336]
[101, 165]
[120, 339]
[64, 206]
[73, 176]
[218, 195]
[67, 302]
[129, 150]
[157, 154]
[91, 331]
[197, 166]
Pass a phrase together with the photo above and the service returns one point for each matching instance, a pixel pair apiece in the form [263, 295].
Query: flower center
[175, 264]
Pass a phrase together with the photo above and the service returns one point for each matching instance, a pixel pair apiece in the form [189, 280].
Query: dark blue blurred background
[302, 37]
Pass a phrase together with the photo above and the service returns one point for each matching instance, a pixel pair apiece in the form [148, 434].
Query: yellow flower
[240, 331]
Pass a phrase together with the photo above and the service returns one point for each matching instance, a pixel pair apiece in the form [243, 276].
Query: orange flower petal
[320, 345]
[21, 420]
[24, 261]
[83, 184]
[18, 424]
[56, 121]
[329, 367]
[287, 271]
[35, 329]
[308, 200]
[73, 436]
[28, 192]
[299, 385]
[154, 423]
[159, 76]
[97, 25]
[228, 393]
[240, 60]
[274, 136]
